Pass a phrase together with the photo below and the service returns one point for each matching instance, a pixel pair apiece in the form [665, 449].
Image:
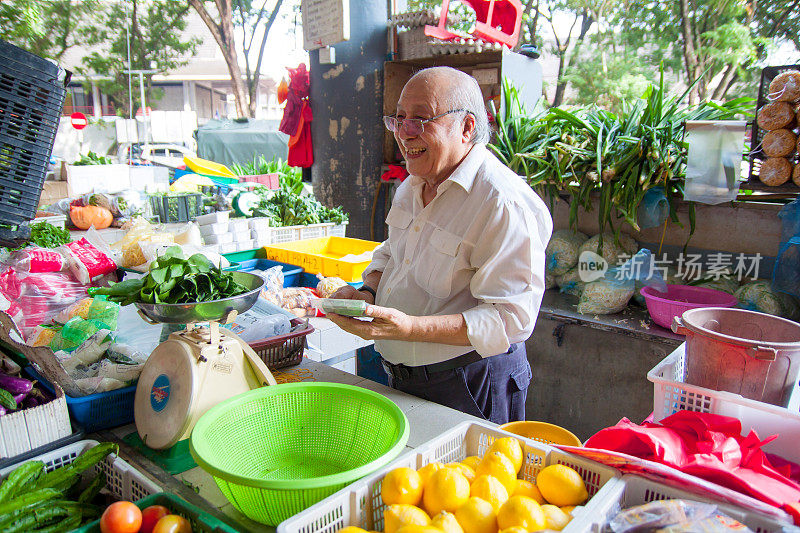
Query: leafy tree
[156, 27]
[246, 17]
[47, 29]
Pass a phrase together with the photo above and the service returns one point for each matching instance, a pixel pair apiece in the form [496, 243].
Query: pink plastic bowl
[663, 306]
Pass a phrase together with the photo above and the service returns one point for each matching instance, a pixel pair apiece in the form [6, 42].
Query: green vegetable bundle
[285, 208]
[93, 159]
[32, 500]
[592, 151]
[174, 280]
[47, 235]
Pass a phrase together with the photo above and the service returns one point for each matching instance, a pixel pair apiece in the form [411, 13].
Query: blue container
[311, 280]
[94, 412]
[291, 273]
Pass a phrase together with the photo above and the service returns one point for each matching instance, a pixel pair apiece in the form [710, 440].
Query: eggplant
[15, 385]
[31, 401]
[19, 397]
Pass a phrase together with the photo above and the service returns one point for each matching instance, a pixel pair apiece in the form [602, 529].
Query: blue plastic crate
[291, 273]
[94, 412]
[311, 280]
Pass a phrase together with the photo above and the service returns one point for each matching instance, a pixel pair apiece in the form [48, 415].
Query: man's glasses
[413, 126]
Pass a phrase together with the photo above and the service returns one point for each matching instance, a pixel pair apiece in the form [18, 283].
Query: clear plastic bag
[35, 259]
[715, 154]
[786, 273]
[660, 513]
[611, 293]
[562, 251]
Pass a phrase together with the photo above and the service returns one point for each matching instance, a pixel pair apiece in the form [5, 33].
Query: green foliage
[47, 235]
[175, 280]
[291, 178]
[286, 208]
[47, 29]
[156, 27]
[589, 150]
[92, 159]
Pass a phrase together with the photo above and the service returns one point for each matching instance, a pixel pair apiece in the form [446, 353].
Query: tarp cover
[232, 142]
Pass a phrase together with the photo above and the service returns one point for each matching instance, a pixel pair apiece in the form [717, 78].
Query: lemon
[523, 512]
[477, 516]
[402, 485]
[490, 489]
[556, 518]
[472, 461]
[402, 514]
[468, 472]
[572, 510]
[426, 471]
[498, 465]
[561, 485]
[514, 529]
[352, 529]
[447, 522]
[418, 529]
[526, 488]
[511, 448]
[446, 490]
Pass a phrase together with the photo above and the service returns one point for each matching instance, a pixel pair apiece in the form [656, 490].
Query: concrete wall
[98, 137]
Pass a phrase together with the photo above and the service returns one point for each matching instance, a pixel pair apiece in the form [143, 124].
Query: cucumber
[7, 400]
[17, 479]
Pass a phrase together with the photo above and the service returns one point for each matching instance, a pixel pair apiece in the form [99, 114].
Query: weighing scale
[191, 371]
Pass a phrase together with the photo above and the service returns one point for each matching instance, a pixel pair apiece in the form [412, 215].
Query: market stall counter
[426, 421]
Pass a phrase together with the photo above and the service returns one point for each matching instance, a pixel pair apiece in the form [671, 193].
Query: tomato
[173, 523]
[150, 516]
[121, 517]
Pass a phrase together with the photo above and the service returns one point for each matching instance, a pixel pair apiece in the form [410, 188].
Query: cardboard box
[53, 191]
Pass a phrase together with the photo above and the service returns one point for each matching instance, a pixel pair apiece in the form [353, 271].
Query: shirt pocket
[435, 274]
[398, 221]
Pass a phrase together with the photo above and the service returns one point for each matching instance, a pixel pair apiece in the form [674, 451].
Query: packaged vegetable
[86, 262]
[35, 259]
[297, 300]
[79, 308]
[42, 336]
[570, 282]
[612, 251]
[760, 296]
[562, 251]
[660, 513]
[611, 293]
[328, 286]
[104, 313]
[549, 281]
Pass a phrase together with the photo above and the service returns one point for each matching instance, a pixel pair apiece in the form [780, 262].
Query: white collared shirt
[476, 249]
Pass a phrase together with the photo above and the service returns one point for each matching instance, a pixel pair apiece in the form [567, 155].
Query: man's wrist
[369, 290]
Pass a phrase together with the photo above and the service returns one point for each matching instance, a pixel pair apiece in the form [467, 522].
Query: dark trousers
[493, 388]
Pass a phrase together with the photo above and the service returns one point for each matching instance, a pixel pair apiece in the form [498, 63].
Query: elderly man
[456, 287]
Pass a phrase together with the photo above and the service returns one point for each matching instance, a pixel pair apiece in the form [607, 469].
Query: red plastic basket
[284, 350]
[663, 306]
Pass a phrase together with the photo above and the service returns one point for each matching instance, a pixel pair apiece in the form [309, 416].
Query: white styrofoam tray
[637, 490]
[359, 504]
[671, 395]
[225, 238]
[122, 480]
[217, 228]
[213, 218]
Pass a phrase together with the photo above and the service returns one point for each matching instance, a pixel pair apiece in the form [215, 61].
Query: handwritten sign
[325, 22]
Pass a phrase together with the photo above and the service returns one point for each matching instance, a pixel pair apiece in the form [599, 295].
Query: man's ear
[468, 129]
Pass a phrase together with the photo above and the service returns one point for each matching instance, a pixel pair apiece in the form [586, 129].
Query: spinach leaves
[175, 280]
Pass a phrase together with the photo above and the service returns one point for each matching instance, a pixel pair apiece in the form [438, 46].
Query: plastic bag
[760, 296]
[612, 250]
[570, 282]
[297, 300]
[660, 513]
[35, 259]
[549, 281]
[562, 251]
[712, 166]
[654, 209]
[327, 286]
[611, 293]
[86, 262]
[786, 273]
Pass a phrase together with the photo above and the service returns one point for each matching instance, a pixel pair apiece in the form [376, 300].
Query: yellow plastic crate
[324, 255]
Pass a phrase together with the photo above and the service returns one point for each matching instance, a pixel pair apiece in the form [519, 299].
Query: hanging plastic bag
[786, 273]
[611, 293]
[713, 161]
[654, 208]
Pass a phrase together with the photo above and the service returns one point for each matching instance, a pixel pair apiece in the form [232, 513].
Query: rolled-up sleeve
[380, 257]
[508, 281]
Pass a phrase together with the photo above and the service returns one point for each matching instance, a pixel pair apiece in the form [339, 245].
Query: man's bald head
[454, 89]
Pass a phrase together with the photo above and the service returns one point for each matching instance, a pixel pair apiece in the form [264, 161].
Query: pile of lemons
[480, 495]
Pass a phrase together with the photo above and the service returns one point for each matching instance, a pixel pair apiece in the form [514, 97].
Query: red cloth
[395, 172]
[710, 447]
[297, 117]
[301, 150]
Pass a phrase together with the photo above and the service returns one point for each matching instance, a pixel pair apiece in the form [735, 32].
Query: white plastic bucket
[745, 352]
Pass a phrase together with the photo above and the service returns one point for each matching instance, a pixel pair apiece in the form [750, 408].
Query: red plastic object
[496, 20]
[679, 298]
[270, 181]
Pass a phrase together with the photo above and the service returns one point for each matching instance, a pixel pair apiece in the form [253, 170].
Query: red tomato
[121, 517]
[150, 517]
[173, 523]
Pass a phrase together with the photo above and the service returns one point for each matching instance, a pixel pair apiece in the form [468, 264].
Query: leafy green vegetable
[47, 235]
[93, 159]
[174, 280]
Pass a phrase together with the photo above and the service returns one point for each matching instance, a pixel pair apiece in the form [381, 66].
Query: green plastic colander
[276, 450]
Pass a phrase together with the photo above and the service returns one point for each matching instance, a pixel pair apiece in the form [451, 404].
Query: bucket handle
[762, 353]
[678, 326]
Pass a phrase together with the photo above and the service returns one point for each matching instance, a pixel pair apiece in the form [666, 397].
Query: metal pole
[130, 67]
[144, 105]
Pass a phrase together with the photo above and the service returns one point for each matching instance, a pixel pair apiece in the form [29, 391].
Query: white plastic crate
[638, 490]
[284, 234]
[122, 480]
[59, 221]
[359, 504]
[314, 231]
[671, 395]
[337, 230]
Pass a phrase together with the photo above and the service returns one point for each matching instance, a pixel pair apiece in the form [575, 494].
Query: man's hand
[347, 292]
[386, 324]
